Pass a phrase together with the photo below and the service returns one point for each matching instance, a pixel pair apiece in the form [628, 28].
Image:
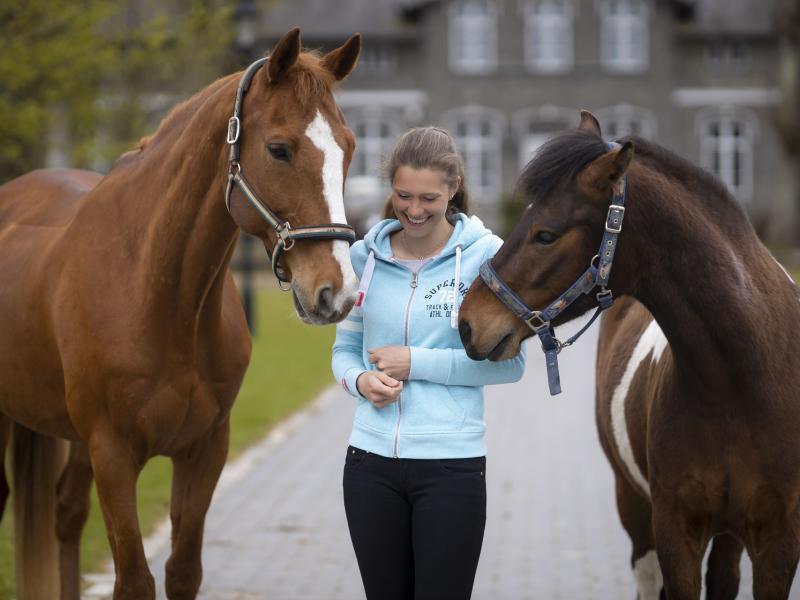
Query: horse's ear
[590, 123]
[343, 60]
[601, 175]
[284, 54]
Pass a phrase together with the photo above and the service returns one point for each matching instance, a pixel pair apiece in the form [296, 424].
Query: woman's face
[419, 200]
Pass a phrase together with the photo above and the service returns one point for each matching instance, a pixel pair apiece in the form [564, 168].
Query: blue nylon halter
[596, 275]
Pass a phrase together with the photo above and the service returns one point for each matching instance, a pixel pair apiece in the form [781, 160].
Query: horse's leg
[116, 470]
[73, 509]
[680, 544]
[195, 476]
[774, 565]
[722, 577]
[635, 514]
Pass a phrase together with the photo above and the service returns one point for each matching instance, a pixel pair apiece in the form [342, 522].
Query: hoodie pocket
[377, 419]
[432, 410]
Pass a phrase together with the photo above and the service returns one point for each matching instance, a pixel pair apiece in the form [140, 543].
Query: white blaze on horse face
[648, 576]
[320, 134]
[652, 340]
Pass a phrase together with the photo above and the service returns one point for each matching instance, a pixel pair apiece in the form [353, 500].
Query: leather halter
[287, 235]
[596, 275]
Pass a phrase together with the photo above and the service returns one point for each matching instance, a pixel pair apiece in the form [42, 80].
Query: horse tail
[5, 490]
[37, 462]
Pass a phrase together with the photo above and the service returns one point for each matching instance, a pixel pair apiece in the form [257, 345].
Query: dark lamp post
[244, 17]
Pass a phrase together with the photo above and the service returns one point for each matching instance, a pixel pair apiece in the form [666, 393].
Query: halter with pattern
[596, 275]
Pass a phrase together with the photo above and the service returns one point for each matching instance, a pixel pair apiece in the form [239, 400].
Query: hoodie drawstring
[366, 279]
[456, 286]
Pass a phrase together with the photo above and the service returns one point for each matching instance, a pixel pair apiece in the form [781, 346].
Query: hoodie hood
[466, 231]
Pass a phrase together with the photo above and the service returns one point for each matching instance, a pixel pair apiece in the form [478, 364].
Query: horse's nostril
[325, 301]
[465, 332]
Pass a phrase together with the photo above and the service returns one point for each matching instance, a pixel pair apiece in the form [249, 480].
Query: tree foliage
[89, 77]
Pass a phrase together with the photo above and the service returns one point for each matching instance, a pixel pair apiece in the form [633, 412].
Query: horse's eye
[545, 237]
[279, 152]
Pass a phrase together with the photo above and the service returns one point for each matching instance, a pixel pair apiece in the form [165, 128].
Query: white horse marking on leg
[648, 576]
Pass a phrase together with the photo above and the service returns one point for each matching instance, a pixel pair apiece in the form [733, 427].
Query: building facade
[701, 77]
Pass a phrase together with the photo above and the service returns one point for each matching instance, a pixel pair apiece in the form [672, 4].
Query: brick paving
[276, 529]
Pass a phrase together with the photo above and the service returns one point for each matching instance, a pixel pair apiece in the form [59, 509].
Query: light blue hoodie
[440, 411]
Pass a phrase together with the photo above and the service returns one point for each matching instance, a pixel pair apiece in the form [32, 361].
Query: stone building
[702, 77]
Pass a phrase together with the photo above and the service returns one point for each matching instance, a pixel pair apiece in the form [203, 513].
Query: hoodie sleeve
[347, 361]
[452, 366]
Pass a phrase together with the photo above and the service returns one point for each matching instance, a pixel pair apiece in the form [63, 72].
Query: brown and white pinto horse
[122, 329]
[698, 370]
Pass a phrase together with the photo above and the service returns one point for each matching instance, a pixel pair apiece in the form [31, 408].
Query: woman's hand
[395, 361]
[379, 388]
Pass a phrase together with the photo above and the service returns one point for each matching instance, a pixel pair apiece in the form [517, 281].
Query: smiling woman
[416, 460]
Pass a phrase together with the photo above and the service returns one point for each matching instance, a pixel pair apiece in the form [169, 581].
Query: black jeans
[416, 525]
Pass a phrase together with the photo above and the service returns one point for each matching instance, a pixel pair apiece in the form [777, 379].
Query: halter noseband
[287, 235]
[596, 275]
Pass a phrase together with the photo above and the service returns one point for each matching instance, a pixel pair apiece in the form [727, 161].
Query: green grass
[289, 366]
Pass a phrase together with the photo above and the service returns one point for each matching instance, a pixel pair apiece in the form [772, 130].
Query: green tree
[91, 69]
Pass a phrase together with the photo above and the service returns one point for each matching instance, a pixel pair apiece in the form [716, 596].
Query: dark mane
[558, 161]
[676, 167]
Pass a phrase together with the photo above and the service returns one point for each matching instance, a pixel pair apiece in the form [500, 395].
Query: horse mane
[558, 161]
[311, 80]
[706, 190]
[677, 167]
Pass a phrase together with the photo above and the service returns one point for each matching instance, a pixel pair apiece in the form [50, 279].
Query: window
[624, 119]
[548, 36]
[726, 149]
[535, 125]
[478, 134]
[375, 130]
[473, 36]
[624, 35]
[727, 55]
[377, 59]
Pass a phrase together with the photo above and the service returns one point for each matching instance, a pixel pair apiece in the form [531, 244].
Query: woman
[414, 486]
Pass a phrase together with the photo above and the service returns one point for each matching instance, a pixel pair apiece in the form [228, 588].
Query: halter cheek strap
[287, 235]
[596, 275]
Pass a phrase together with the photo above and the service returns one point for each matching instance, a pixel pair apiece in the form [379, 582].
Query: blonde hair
[430, 148]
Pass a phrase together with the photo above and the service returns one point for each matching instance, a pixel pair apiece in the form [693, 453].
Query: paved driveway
[276, 529]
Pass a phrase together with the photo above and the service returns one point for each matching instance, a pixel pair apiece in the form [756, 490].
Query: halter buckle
[605, 298]
[234, 128]
[616, 213]
[536, 327]
[285, 235]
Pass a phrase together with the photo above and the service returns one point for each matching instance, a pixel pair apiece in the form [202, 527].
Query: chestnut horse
[122, 329]
[698, 369]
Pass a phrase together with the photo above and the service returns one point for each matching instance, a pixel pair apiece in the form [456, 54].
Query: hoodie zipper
[414, 279]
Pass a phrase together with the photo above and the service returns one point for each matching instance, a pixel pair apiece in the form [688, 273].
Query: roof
[327, 20]
[730, 17]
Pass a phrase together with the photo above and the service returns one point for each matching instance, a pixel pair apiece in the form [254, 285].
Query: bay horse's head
[294, 147]
[569, 185]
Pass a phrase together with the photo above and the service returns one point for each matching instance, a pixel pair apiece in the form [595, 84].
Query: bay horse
[123, 332]
[698, 369]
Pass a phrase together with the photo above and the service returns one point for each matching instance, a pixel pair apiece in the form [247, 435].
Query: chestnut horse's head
[569, 185]
[294, 149]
